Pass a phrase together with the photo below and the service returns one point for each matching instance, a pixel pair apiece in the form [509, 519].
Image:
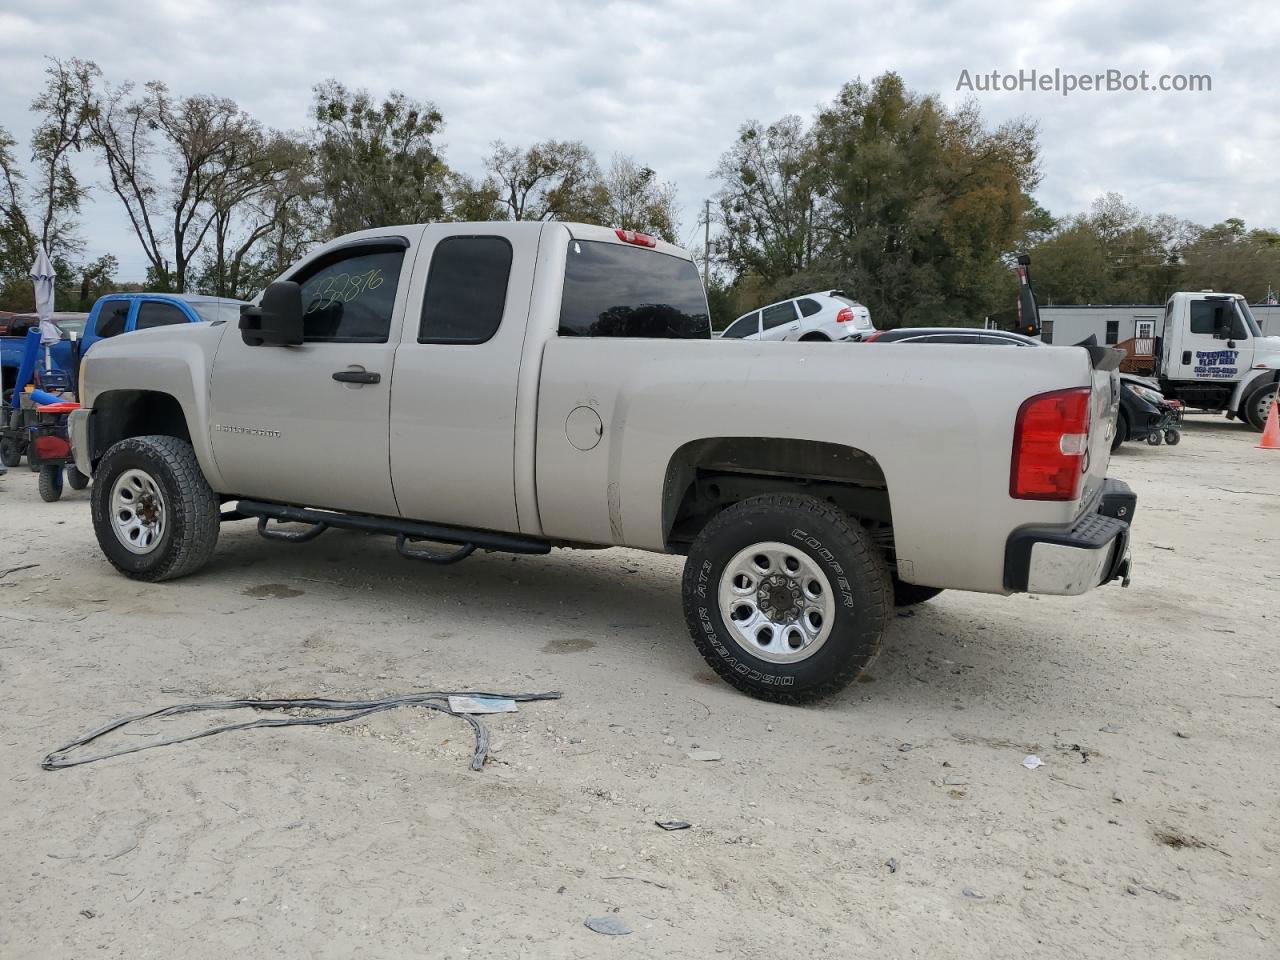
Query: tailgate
[1103, 409]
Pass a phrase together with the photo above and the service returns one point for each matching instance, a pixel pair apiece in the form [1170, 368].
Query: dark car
[1144, 413]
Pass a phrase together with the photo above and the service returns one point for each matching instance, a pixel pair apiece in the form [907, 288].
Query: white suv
[830, 315]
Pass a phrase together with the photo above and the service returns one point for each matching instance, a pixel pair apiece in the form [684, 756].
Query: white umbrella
[42, 276]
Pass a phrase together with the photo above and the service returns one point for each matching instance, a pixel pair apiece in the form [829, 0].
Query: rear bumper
[1074, 560]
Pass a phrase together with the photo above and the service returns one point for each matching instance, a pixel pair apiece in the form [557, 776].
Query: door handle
[1186, 357]
[357, 376]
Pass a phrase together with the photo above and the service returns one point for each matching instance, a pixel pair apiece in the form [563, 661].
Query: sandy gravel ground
[1150, 831]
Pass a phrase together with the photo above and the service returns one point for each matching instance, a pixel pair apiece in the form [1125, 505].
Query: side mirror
[277, 320]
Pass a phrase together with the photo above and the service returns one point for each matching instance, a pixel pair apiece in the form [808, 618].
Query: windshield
[1247, 314]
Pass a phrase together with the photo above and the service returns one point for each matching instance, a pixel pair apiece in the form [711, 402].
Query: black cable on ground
[348, 710]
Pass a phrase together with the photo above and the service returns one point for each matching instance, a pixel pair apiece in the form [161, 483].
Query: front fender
[1252, 379]
[177, 361]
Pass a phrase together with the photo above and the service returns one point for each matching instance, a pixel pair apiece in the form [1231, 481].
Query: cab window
[615, 290]
[111, 319]
[153, 313]
[466, 290]
[348, 295]
[1204, 314]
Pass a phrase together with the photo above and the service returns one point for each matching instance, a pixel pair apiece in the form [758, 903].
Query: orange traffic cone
[1271, 435]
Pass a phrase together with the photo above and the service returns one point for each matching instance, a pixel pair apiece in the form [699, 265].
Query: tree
[633, 198]
[96, 279]
[199, 137]
[921, 203]
[43, 210]
[1112, 254]
[17, 240]
[65, 104]
[471, 199]
[377, 163]
[551, 180]
[769, 201]
[1229, 258]
[265, 182]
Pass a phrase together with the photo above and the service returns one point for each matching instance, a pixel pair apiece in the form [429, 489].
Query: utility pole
[706, 243]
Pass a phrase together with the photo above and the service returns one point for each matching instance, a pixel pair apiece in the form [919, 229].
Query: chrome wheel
[138, 513]
[1262, 408]
[777, 602]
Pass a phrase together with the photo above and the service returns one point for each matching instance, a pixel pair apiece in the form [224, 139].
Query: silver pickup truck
[524, 386]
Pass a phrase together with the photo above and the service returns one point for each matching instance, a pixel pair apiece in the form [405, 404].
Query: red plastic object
[52, 448]
[639, 239]
[66, 406]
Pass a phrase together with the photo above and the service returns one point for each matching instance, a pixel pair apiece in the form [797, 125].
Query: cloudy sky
[670, 82]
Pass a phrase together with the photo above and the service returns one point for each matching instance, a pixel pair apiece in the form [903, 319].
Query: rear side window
[612, 290]
[466, 290]
[348, 296]
[112, 318]
[743, 327]
[809, 307]
[151, 313]
[779, 314]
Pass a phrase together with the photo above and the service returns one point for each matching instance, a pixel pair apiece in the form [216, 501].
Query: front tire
[786, 597]
[1258, 404]
[76, 480]
[154, 514]
[50, 484]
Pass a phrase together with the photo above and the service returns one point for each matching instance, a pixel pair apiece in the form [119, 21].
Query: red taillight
[875, 336]
[845, 315]
[639, 239]
[1050, 443]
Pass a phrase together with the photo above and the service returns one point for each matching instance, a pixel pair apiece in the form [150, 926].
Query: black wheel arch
[122, 414]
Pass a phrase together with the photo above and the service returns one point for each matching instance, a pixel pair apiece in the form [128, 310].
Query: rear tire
[909, 594]
[1172, 437]
[1154, 438]
[1257, 405]
[50, 484]
[76, 479]
[803, 624]
[10, 452]
[814, 338]
[1122, 432]
[154, 513]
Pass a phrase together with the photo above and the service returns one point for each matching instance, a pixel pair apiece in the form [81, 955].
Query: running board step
[401, 529]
